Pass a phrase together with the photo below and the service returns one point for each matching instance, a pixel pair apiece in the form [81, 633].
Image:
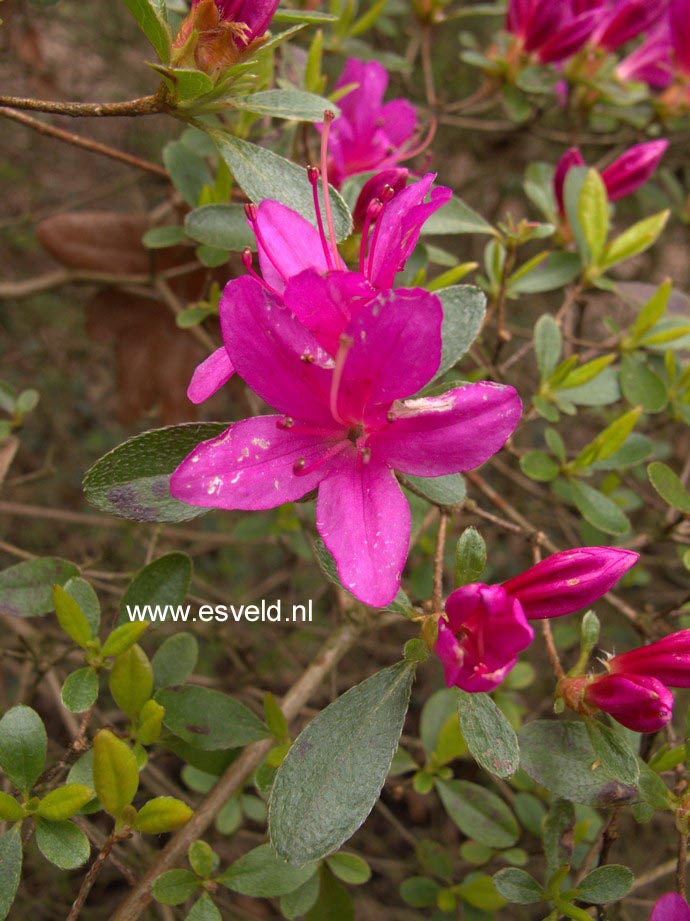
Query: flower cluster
[663, 57]
[341, 356]
[486, 626]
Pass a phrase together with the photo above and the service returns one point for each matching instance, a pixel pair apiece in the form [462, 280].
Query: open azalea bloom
[346, 421]
[288, 245]
[486, 626]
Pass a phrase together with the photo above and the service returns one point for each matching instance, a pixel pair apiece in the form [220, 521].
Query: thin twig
[92, 875]
[85, 143]
[145, 105]
[437, 594]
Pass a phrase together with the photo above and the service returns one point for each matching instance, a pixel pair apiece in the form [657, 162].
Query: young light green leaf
[64, 802]
[349, 868]
[333, 774]
[80, 689]
[203, 859]
[490, 737]
[63, 844]
[10, 809]
[609, 441]
[652, 311]
[635, 240]
[131, 680]
[161, 815]
[115, 772]
[456, 217]
[87, 599]
[593, 215]
[71, 617]
[641, 386]
[152, 25]
[539, 466]
[123, 637]
[470, 557]
[23, 746]
[669, 486]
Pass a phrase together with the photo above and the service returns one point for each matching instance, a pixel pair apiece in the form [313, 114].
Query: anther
[285, 423]
[299, 465]
[307, 358]
[251, 211]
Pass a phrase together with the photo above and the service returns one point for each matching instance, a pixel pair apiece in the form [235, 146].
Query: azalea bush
[344, 463]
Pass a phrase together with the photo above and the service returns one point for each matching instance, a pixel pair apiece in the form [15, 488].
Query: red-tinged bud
[251, 211]
[637, 702]
[670, 907]
[394, 178]
[569, 581]
[625, 20]
[633, 168]
[667, 659]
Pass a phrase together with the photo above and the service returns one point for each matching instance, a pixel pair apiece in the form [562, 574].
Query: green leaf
[71, 617]
[262, 874]
[557, 832]
[23, 746]
[606, 884]
[149, 722]
[464, 307]
[334, 901]
[63, 844]
[64, 802]
[163, 582]
[296, 903]
[10, 869]
[294, 104]
[593, 214]
[635, 239]
[518, 886]
[478, 890]
[80, 689]
[419, 892]
[490, 737]
[641, 386]
[132, 480]
[10, 809]
[652, 311]
[115, 772]
[26, 589]
[123, 637]
[456, 217]
[586, 373]
[598, 509]
[349, 868]
[203, 859]
[309, 16]
[669, 486]
[208, 719]
[574, 181]
[175, 887]
[87, 599]
[470, 557]
[440, 490]
[609, 441]
[131, 680]
[189, 171]
[152, 25]
[548, 345]
[556, 271]
[161, 815]
[204, 909]
[613, 752]
[333, 774]
[222, 226]
[175, 660]
[539, 466]
[163, 237]
[558, 755]
[264, 174]
[479, 813]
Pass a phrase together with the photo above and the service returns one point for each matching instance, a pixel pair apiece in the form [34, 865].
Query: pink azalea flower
[288, 244]
[624, 20]
[670, 907]
[667, 659]
[651, 61]
[486, 626]
[622, 177]
[369, 134]
[215, 34]
[679, 21]
[640, 703]
[254, 15]
[549, 30]
[345, 424]
[395, 177]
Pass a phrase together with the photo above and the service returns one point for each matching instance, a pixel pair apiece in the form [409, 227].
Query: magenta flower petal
[633, 168]
[399, 227]
[210, 376]
[395, 350]
[651, 61]
[545, 20]
[394, 176]
[626, 19]
[456, 431]
[487, 631]
[568, 39]
[398, 119]
[668, 660]
[251, 466]
[325, 304]
[362, 104]
[274, 353]
[287, 244]
[570, 580]
[364, 520]
[640, 703]
[670, 907]
[572, 157]
[679, 17]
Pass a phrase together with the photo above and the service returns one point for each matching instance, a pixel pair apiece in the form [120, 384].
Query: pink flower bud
[572, 157]
[568, 39]
[667, 659]
[633, 168]
[670, 907]
[625, 20]
[395, 177]
[640, 703]
[570, 580]
[479, 642]
[679, 17]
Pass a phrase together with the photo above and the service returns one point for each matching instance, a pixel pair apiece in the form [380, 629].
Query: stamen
[343, 348]
[313, 175]
[328, 117]
[247, 263]
[364, 456]
[387, 194]
[287, 423]
[405, 154]
[301, 469]
[252, 213]
[373, 211]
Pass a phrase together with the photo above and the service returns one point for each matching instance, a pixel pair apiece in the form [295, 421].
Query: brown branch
[681, 865]
[92, 875]
[85, 143]
[237, 773]
[146, 105]
[437, 594]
